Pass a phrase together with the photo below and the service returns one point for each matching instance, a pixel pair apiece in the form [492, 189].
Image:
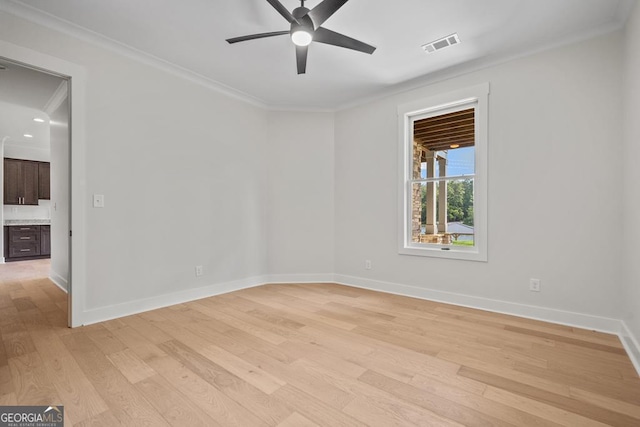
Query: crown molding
[55, 23]
[57, 98]
[479, 64]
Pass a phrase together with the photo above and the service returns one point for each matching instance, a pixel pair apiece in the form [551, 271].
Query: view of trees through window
[459, 202]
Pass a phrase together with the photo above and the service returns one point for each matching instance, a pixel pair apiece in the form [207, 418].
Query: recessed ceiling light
[454, 146]
[26, 135]
[447, 41]
[38, 119]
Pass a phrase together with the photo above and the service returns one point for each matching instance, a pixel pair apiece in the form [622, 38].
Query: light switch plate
[98, 200]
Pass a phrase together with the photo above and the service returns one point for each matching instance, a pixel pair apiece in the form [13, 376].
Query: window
[443, 175]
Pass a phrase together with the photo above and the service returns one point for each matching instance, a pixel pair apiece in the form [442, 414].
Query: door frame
[76, 77]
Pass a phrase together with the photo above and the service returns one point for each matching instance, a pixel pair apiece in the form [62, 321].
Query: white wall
[40, 211]
[631, 201]
[15, 151]
[59, 203]
[300, 158]
[554, 186]
[182, 171]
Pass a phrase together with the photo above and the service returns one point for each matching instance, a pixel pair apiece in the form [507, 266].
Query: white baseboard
[133, 307]
[579, 320]
[59, 281]
[631, 344]
[300, 278]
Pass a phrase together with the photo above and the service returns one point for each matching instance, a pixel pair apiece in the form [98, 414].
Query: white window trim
[479, 95]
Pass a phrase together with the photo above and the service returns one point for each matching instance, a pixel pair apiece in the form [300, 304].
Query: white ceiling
[26, 87]
[15, 121]
[191, 34]
[24, 95]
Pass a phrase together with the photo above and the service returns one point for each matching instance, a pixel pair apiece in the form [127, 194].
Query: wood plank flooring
[307, 355]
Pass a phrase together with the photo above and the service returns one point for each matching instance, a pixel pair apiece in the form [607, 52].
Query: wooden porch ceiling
[441, 132]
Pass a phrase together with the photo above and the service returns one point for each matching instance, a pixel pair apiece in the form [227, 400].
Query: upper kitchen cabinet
[44, 181]
[20, 182]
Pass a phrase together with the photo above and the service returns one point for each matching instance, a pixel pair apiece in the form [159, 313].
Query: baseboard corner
[300, 278]
[631, 345]
[59, 281]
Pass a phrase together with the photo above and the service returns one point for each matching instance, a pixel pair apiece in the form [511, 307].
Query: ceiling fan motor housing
[304, 20]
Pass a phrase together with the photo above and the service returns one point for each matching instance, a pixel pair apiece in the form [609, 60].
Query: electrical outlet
[199, 271]
[367, 264]
[534, 285]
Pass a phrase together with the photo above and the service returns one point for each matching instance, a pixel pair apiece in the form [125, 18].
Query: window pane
[442, 212]
[443, 145]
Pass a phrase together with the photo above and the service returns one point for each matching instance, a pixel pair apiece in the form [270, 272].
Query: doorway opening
[35, 143]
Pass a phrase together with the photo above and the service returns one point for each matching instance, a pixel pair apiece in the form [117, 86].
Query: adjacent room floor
[307, 355]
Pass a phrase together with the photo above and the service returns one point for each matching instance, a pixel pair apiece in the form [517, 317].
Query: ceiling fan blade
[301, 58]
[324, 10]
[282, 11]
[256, 36]
[322, 35]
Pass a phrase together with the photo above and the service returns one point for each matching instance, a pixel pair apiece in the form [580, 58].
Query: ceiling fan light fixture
[301, 37]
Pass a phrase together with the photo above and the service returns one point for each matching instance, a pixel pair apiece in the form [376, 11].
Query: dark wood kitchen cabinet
[27, 242]
[44, 181]
[22, 241]
[20, 182]
[45, 240]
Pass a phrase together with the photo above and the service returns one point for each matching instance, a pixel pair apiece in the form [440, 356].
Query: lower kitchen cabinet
[27, 242]
[45, 240]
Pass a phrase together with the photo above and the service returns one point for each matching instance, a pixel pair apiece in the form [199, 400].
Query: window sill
[446, 252]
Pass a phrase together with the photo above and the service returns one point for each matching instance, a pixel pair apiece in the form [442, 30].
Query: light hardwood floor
[308, 355]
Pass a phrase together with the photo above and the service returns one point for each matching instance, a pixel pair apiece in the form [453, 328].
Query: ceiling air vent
[447, 41]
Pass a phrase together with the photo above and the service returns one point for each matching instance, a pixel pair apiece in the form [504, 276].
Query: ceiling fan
[306, 27]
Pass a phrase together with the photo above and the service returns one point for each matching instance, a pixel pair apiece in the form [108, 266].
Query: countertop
[27, 222]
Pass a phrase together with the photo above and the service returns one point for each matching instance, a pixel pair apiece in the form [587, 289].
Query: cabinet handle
[25, 250]
[25, 238]
[25, 228]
